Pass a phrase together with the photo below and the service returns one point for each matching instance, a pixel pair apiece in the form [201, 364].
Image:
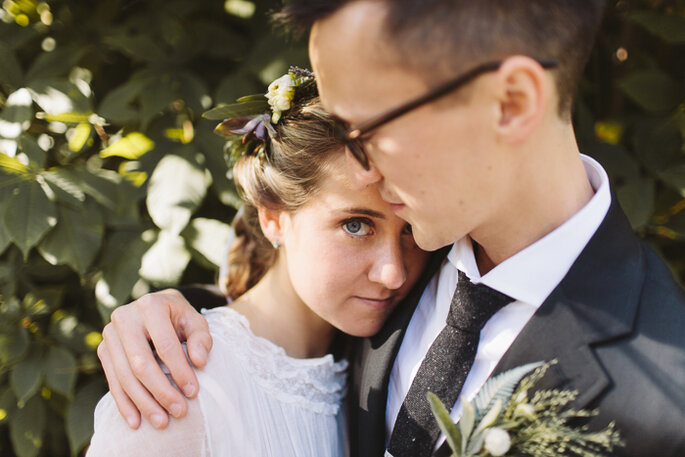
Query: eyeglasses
[352, 136]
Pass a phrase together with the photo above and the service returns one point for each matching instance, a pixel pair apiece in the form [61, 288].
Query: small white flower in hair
[280, 95]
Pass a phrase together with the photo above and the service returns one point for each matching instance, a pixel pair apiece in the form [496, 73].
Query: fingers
[137, 382]
[160, 322]
[126, 389]
[124, 404]
[198, 340]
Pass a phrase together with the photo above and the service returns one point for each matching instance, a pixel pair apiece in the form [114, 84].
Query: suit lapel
[372, 372]
[595, 302]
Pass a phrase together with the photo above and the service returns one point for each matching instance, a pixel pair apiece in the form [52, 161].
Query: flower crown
[253, 117]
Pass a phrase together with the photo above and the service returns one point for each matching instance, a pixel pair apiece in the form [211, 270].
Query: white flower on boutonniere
[280, 95]
[497, 441]
[501, 420]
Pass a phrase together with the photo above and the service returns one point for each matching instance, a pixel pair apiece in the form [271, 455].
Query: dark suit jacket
[616, 325]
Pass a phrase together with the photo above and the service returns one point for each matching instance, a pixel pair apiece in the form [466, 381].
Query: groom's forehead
[354, 68]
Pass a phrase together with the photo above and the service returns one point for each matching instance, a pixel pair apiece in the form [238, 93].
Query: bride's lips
[377, 302]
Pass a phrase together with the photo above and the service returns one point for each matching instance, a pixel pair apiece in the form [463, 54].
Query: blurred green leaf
[27, 428]
[66, 191]
[17, 114]
[653, 90]
[116, 105]
[131, 147]
[10, 70]
[8, 403]
[209, 238]
[156, 98]
[69, 331]
[211, 146]
[13, 344]
[27, 376]
[657, 144]
[79, 417]
[5, 239]
[121, 261]
[222, 112]
[54, 64]
[175, 190]
[57, 96]
[668, 27]
[107, 187]
[637, 200]
[15, 36]
[43, 300]
[675, 177]
[192, 90]
[163, 264]
[60, 370]
[76, 239]
[240, 8]
[80, 136]
[235, 86]
[36, 154]
[12, 165]
[141, 47]
[29, 215]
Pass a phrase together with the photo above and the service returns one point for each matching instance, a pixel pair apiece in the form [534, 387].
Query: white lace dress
[254, 400]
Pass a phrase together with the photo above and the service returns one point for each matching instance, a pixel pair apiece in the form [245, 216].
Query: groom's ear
[270, 222]
[526, 94]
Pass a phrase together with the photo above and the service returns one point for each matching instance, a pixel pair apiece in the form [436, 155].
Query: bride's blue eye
[356, 227]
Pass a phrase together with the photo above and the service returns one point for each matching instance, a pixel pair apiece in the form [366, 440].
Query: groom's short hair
[440, 38]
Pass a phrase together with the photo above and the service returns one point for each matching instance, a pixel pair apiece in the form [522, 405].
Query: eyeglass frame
[351, 136]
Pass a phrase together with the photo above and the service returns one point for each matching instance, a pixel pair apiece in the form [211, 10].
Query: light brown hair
[285, 178]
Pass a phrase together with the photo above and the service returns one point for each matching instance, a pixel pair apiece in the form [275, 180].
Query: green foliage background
[111, 183]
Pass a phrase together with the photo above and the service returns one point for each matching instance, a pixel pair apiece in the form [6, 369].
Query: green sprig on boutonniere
[502, 420]
[250, 122]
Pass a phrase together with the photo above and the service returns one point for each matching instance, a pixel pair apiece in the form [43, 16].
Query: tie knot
[474, 304]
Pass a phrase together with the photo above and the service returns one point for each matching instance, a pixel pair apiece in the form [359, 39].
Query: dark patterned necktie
[445, 367]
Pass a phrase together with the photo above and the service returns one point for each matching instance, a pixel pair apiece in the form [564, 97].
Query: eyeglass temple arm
[433, 94]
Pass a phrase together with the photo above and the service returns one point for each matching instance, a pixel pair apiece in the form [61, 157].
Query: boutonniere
[503, 419]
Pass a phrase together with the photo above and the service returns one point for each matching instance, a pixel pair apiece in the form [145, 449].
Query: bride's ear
[270, 222]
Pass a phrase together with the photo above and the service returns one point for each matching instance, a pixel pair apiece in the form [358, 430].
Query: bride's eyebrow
[365, 211]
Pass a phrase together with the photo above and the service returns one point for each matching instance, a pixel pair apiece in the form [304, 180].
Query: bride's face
[349, 258]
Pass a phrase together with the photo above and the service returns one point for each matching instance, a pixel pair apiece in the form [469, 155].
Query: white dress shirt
[528, 277]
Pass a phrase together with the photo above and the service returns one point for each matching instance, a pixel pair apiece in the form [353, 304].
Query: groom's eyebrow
[365, 211]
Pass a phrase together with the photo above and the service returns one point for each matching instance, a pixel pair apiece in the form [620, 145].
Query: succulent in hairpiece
[254, 116]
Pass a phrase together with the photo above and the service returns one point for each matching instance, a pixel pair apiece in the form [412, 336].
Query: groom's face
[438, 164]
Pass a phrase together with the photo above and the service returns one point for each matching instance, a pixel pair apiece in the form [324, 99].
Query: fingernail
[157, 420]
[189, 390]
[175, 410]
[131, 421]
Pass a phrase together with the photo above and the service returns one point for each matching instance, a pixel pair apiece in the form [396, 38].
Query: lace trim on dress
[317, 384]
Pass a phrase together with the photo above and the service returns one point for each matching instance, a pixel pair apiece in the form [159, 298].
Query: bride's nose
[388, 266]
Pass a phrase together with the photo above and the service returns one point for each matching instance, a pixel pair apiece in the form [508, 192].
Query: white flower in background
[497, 441]
[280, 95]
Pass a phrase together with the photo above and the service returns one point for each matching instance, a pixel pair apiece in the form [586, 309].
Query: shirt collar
[530, 275]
